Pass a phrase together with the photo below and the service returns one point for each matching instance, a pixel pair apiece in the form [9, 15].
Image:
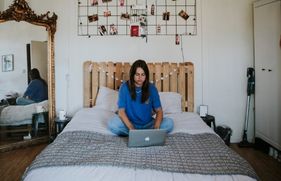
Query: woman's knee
[167, 124]
[117, 126]
[23, 101]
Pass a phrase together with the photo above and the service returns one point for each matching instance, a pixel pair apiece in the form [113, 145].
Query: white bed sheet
[92, 119]
[15, 115]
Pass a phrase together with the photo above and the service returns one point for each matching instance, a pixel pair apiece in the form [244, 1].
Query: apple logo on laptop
[146, 138]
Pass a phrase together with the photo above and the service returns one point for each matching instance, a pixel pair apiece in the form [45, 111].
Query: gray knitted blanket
[183, 153]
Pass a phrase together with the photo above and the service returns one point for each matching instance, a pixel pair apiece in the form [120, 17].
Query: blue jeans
[24, 101]
[117, 126]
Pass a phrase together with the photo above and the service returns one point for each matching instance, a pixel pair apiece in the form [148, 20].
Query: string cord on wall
[116, 78]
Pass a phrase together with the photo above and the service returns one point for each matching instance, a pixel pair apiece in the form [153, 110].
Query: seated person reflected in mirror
[138, 98]
[37, 90]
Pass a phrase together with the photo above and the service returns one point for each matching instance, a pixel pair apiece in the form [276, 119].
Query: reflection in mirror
[28, 46]
[14, 81]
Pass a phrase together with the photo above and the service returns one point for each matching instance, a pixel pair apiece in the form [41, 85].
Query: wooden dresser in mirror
[19, 14]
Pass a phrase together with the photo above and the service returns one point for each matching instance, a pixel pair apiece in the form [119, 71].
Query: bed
[87, 150]
[14, 115]
[18, 118]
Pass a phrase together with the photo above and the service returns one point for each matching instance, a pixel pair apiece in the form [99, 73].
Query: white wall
[2, 5]
[227, 52]
[221, 53]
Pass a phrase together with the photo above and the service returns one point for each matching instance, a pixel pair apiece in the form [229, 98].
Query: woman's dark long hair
[145, 87]
[34, 74]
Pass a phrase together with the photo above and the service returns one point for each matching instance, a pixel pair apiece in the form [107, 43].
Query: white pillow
[107, 99]
[171, 102]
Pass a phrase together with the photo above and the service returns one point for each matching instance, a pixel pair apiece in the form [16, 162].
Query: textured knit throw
[182, 153]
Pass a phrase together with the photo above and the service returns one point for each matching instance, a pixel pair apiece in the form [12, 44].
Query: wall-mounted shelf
[104, 18]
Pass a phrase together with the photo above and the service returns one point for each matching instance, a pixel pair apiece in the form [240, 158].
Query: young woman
[138, 100]
[36, 91]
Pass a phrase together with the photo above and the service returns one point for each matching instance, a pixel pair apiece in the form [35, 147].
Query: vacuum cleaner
[250, 91]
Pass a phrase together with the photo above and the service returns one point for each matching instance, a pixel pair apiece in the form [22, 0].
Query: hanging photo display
[120, 17]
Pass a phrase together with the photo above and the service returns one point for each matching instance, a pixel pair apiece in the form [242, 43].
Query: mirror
[19, 15]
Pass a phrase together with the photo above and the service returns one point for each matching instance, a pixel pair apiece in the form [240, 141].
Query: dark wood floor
[267, 168]
[14, 163]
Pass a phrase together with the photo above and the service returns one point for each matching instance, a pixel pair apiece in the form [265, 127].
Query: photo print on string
[158, 29]
[143, 31]
[183, 14]
[94, 2]
[122, 2]
[102, 30]
[106, 1]
[125, 16]
[135, 30]
[166, 16]
[177, 39]
[93, 18]
[152, 9]
[113, 30]
[107, 13]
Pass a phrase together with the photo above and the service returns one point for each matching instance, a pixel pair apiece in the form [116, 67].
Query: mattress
[16, 115]
[94, 119]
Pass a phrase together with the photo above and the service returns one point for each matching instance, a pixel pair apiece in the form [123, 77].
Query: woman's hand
[122, 114]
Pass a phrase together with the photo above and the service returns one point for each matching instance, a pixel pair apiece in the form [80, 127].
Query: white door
[39, 58]
[267, 31]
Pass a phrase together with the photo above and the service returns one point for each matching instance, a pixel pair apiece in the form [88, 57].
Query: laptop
[146, 137]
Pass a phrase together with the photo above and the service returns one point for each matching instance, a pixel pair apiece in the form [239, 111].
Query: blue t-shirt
[138, 113]
[37, 91]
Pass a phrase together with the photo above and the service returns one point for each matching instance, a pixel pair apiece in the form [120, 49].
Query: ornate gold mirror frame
[20, 11]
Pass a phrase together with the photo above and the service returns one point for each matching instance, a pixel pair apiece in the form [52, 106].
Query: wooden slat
[166, 81]
[118, 75]
[182, 85]
[110, 75]
[174, 77]
[87, 83]
[126, 71]
[95, 83]
[102, 73]
[158, 71]
[190, 88]
[151, 72]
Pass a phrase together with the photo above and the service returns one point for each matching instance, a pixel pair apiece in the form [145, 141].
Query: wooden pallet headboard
[168, 77]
